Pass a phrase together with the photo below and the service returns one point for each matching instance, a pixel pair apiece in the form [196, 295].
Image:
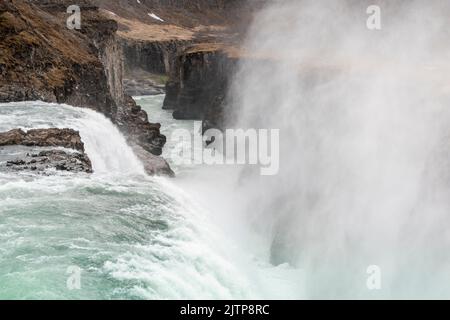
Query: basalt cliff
[186, 49]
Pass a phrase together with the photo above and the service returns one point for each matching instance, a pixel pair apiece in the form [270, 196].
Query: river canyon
[94, 204]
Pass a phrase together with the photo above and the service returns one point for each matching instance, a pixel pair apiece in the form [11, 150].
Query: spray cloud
[364, 124]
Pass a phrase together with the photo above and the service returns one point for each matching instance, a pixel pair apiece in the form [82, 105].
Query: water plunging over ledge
[132, 236]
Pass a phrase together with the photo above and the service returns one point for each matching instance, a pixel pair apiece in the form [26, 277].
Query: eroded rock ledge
[66, 138]
[51, 159]
[39, 150]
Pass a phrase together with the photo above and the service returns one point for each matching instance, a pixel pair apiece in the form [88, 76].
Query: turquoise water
[131, 236]
[120, 233]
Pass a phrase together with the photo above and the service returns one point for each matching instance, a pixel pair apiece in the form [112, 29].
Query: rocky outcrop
[197, 89]
[111, 56]
[45, 161]
[153, 165]
[134, 123]
[26, 148]
[66, 138]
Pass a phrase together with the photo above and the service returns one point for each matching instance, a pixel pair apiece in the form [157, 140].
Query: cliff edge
[41, 59]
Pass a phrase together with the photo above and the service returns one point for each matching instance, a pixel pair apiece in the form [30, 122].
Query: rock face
[197, 89]
[31, 157]
[141, 132]
[186, 44]
[153, 165]
[66, 138]
[152, 56]
[148, 64]
[41, 59]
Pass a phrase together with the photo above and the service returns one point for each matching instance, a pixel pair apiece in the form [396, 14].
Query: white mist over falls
[364, 138]
[364, 176]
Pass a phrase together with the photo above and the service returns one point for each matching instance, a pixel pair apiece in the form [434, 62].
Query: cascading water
[104, 144]
[363, 181]
[132, 236]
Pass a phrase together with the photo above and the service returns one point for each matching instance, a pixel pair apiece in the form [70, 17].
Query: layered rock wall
[152, 56]
[198, 87]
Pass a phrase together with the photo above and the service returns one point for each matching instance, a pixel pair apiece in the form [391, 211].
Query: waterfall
[104, 144]
[364, 124]
[133, 236]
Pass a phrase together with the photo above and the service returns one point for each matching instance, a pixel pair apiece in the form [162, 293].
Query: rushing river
[130, 235]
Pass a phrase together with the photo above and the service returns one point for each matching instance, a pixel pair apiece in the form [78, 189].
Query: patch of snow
[154, 16]
[138, 1]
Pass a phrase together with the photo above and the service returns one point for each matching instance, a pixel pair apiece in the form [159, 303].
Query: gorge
[113, 218]
[91, 178]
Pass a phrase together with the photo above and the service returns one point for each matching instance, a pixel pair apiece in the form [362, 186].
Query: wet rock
[52, 159]
[197, 89]
[66, 138]
[27, 148]
[15, 163]
[172, 92]
[138, 130]
[154, 165]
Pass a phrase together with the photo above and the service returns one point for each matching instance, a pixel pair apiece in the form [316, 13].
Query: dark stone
[76, 161]
[153, 165]
[53, 137]
[198, 88]
[60, 160]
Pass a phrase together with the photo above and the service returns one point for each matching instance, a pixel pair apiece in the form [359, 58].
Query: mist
[364, 144]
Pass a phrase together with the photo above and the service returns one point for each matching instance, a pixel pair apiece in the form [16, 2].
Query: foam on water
[133, 236]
